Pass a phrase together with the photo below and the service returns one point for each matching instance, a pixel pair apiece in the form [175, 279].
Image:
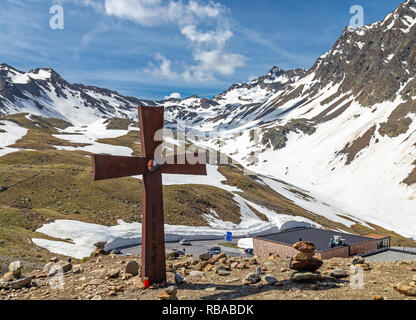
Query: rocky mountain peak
[374, 62]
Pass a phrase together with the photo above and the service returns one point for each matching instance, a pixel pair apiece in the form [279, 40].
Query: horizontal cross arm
[109, 167]
[182, 164]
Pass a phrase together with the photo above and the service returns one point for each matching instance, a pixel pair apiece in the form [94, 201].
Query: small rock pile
[304, 263]
[14, 279]
[407, 289]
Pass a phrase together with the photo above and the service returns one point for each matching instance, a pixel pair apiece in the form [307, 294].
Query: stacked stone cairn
[14, 278]
[304, 263]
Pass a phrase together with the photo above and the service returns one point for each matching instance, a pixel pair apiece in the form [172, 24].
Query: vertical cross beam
[153, 235]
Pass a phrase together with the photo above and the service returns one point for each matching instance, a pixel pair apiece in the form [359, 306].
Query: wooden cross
[109, 167]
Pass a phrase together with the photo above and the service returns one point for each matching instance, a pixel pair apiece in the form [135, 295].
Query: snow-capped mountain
[347, 128]
[44, 92]
[344, 129]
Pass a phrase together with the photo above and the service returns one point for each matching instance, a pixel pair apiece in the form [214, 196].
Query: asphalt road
[195, 249]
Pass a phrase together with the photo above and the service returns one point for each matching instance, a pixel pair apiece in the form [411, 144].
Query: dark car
[214, 251]
[249, 250]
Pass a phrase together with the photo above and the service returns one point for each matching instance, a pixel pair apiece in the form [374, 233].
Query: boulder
[252, 261]
[220, 256]
[208, 268]
[219, 267]
[339, 273]
[223, 272]
[253, 278]
[16, 268]
[132, 267]
[77, 269]
[114, 273]
[304, 246]
[405, 289]
[308, 265]
[305, 276]
[171, 290]
[66, 266]
[204, 256]
[16, 284]
[357, 260]
[178, 278]
[7, 277]
[258, 270]
[303, 256]
[270, 280]
[223, 260]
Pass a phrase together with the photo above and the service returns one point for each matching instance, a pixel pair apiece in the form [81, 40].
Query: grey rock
[258, 270]
[132, 267]
[253, 278]
[306, 276]
[270, 280]
[16, 268]
[204, 256]
[339, 273]
[178, 278]
[223, 272]
[171, 290]
[114, 273]
[16, 284]
[8, 277]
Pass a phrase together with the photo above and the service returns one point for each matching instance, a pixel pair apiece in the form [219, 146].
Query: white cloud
[164, 70]
[158, 12]
[175, 95]
[204, 24]
[212, 62]
[219, 36]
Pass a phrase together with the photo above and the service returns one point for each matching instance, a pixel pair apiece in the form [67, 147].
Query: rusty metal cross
[109, 167]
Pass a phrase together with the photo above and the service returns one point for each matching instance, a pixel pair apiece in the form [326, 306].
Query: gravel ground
[92, 283]
[391, 256]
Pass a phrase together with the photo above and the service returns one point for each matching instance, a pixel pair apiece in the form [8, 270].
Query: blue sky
[152, 48]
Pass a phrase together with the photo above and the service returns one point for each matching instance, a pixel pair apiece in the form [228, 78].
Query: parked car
[214, 251]
[185, 242]
[249, 250]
